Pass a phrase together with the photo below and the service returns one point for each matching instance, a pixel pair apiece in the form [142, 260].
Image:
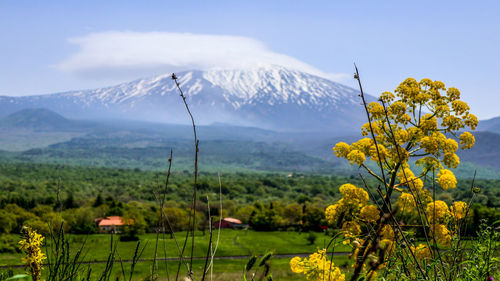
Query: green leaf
[19, 276]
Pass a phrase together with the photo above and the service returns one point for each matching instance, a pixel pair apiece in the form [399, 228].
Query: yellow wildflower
[450, 146]
[376, 110]
[467, 140]
[437, 211]
[341, 149]
[295, 265]
[453, 94]
[397, 109]
[429, 163]
[414, 133]
[459, 209]
[382, 152]
[350, 229]
[401, 136]
[333, 212]
[317, 267]
[369, 213]
[387, 232]
[30, 244]
[356, 156]
[399, 154]
[406, 202]
[353, 195]
[441, 234]
[438, 85]
[460, 107]
[403, 119]
[407, 177]
[426, 83]
[452, 123]
[442, 110]
[428, 123]
[446, 179]
[363, 145]
[471, 121]
[387, 97]
[421, 252]
[429, 144]
[451, 160]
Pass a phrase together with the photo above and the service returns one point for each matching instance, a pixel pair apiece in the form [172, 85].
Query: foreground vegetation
[382, 225]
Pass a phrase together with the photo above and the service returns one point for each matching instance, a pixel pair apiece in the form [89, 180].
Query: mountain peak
[265, 96]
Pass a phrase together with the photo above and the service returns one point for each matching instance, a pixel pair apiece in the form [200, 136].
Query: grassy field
[231, 243]
[223, 270]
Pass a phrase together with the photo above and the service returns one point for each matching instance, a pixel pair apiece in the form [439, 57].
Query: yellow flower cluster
[333, 213]
[459, 210]
[350, 229]
[421, 252]
[317, 267]
[30, 244]
[437, 211]
[356, 156]
[352, 194]
[403, 130]
[406, 202]
[369, 213]
[406, 177]
[439, 215]
[353, 205]
[446, 179]
[467, 140]
[441, 234]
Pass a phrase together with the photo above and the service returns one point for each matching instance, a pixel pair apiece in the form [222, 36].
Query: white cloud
[117, 54]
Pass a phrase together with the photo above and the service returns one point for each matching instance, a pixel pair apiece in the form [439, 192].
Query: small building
[112, 224]
[230, 223]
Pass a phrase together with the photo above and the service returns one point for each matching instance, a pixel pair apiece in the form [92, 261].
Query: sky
[54, 46]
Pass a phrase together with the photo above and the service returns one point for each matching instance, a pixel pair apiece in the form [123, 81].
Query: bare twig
[196, 143]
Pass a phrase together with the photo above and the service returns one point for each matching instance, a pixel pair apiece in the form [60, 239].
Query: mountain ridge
[270, 97]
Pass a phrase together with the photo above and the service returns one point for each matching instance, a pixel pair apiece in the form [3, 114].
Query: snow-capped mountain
[271, 97]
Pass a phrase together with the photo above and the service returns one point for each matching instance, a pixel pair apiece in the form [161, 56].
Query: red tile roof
[113, 220]
[232, 220]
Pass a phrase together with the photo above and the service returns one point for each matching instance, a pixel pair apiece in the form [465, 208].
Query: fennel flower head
[30, 244]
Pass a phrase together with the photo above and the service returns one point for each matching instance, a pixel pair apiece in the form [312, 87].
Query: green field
[231, 243]
[223, 270]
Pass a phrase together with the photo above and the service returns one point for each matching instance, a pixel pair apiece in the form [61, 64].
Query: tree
[134, 224]
[98, 200]
[7, 222]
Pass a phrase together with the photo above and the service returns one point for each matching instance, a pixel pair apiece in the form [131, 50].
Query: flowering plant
[419, 123]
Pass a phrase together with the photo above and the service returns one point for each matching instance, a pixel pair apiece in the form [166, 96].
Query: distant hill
[492, 125]
[41, 135]
[486, 151]
[40, 120]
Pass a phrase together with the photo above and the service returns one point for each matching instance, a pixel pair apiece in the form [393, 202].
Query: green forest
[39, 195]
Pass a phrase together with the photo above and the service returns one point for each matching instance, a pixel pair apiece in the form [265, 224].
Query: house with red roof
[230, 223]
[112, 224]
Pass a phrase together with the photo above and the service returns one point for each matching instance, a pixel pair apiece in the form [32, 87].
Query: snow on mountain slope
[271, 97]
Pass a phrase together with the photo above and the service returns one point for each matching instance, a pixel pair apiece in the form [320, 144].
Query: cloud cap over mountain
[115, 54]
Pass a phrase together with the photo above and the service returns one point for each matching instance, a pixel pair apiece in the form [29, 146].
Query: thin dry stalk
[196, 147]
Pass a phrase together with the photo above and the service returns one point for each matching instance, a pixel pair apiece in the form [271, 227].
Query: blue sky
[51, 46]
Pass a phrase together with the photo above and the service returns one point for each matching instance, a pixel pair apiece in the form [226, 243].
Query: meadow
[234, 249]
